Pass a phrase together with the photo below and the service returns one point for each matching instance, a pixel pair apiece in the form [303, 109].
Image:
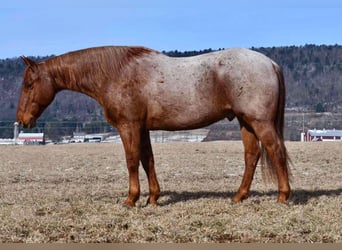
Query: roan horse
[141, 90]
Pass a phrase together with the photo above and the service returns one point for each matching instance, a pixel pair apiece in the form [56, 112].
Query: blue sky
[45, 27]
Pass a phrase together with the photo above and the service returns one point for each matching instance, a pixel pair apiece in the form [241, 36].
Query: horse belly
[182, 117]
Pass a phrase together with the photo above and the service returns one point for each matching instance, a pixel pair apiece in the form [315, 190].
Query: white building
[31, 138]
[323, 135]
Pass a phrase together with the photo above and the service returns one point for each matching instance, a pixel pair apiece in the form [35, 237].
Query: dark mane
[107, 61]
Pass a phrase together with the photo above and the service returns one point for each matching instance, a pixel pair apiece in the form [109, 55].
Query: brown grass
[74, 193]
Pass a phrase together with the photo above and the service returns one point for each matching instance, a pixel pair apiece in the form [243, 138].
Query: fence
[295, 124]
[63, 133]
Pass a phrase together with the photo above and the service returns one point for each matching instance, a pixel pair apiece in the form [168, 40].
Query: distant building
[6, 141]
[24, 138]
[83, 137]
[94, 138]
[78, 137]
[31, 138]
[323, 135]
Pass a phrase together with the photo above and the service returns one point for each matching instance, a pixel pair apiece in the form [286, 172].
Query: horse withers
[141, 90]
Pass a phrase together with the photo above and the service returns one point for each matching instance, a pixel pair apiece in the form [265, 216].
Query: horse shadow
[302, 196]
[298, 196]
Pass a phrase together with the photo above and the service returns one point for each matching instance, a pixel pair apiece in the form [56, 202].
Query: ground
[75, 192]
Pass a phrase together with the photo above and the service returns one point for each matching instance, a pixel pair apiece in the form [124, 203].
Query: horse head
[36, 94]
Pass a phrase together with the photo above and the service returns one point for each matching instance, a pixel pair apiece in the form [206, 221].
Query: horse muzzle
[27, 122]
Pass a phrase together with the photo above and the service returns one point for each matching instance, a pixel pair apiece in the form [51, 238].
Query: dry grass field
[75, 192]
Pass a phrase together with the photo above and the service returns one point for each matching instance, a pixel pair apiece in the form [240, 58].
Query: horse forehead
[30, 75]
[27, 73]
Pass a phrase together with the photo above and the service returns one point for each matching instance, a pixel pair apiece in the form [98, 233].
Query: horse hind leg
[276, 156]
[252, 154]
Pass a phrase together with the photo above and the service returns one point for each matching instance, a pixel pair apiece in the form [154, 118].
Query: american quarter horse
[141, 90]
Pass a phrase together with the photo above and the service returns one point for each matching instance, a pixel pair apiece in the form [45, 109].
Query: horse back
[203, 89]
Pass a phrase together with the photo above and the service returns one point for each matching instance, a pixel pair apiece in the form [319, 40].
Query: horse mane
[107, 61]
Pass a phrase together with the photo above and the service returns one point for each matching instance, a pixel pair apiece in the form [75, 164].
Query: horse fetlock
[153, 198]
[132, 198]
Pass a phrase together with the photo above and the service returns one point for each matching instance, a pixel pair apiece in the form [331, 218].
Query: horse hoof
[127, 207]
[231, 202]
[234, 201]
[283, 197]
[239, 198]
[283, 201]
[151, 202]
[129, 204]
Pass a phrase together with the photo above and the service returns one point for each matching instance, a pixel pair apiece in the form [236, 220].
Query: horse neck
[89, 71]
[66, 77]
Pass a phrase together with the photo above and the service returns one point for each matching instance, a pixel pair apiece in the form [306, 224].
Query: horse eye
[28, 85]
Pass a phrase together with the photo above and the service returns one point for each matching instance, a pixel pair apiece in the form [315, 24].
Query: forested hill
[313, 77]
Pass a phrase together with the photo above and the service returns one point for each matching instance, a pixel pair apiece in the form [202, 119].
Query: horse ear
[30, 63]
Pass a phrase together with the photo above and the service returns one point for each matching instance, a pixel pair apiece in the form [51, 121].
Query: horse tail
[267, 166]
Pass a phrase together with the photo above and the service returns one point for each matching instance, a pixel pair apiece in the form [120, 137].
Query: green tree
[319, 108]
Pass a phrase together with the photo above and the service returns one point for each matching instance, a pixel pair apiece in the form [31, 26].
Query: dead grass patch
[74, 193]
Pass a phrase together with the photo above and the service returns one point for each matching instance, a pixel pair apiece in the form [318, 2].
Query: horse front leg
[130, 134]
[146, 156]
[252, 154]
